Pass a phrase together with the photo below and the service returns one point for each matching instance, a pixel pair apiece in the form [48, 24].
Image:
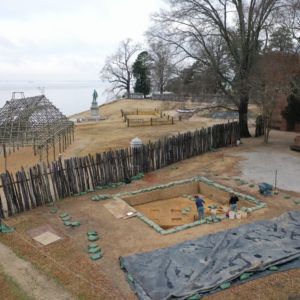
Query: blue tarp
[203, 264]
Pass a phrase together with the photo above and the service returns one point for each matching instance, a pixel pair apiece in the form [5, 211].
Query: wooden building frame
[36, 122]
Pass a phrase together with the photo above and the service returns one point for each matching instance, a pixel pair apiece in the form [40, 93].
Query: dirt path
[35, 284]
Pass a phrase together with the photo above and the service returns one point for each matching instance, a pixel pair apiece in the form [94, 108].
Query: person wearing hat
[200, 207]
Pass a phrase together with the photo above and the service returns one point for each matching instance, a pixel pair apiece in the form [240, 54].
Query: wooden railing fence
[41, 184]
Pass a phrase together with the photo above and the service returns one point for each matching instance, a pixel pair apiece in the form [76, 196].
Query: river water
[70, 97]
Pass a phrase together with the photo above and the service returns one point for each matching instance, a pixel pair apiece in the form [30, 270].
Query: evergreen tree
[141, 72]
[292, 111]
[281, 40]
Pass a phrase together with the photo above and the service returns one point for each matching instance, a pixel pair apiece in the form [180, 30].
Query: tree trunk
[128, 92]
[161, 89]
[243, 116]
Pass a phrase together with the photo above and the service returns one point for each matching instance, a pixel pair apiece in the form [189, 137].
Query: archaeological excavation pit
[170, 208]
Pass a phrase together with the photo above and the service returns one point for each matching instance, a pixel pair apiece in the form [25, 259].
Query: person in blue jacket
[200, 207]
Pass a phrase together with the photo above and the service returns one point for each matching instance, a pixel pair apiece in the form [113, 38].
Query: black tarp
[203, 264]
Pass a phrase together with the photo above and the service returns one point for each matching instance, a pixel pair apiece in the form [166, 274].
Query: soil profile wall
[220, 196]
[162, 194]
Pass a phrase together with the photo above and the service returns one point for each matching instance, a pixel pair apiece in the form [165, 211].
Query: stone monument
[95, 107]
[94, 110]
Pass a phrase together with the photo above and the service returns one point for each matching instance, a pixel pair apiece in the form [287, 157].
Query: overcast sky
[66, 39]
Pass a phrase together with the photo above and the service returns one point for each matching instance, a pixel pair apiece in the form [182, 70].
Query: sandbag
[97, 256]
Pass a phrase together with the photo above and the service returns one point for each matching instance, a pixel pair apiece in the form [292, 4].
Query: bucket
[239, 215]
[231, 214]
[213, 212]
[244, 214]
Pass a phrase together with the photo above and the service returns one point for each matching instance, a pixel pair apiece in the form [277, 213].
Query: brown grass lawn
[97, 137]
[67, 260]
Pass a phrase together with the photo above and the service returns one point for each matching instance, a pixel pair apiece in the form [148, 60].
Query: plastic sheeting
[202, 265]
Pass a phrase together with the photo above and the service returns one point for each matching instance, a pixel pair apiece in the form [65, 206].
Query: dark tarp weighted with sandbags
[203, 264]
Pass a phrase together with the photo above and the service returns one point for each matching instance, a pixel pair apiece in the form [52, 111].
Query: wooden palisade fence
[39, 185]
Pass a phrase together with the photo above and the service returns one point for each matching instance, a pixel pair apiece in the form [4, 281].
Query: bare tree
[162, 66]
[191, 25]
[117, 69]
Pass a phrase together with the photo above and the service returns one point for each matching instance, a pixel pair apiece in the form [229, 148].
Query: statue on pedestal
[95, 107]
[94, 110]
[95, 96]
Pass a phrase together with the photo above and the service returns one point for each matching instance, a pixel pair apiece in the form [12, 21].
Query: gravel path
[260, 166]
[35, 284]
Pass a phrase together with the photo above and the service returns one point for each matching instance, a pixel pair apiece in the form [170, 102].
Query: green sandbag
[192, 199]
[92, 246]
[273, 268]
[50, 204]
[64, 215]
[53, 211]
[296, 201]
[207, 171]
[212, 206]
[6, 229]
[244, 182]
[174, 168]
[99, 187]
[83, 193]
[188, 209]
[216, 174]
[76, 195]
[97, 256]
[225, 285]
[130, 277]
[92, 233]
[183, 212]
[74, 224]
[195, 297]
[245, 276]
[184, 195]
[251, 185]
[66, 218]
[93, 238]
[67, 223]
[90, 190]
[287, 197]
[94, 250]
[237, 179]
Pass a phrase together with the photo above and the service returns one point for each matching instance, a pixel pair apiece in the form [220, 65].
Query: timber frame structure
[36, 122]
